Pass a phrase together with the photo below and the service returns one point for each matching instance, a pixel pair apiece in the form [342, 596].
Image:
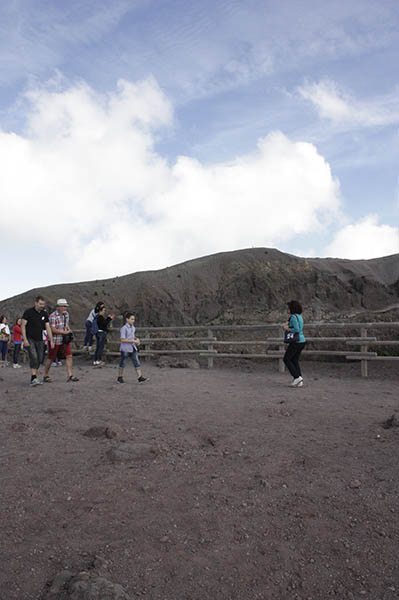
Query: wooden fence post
[281, 365]
[364, 348]
[147, 346]
[210, 349]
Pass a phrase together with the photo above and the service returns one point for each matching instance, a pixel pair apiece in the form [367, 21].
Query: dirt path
[219, 484]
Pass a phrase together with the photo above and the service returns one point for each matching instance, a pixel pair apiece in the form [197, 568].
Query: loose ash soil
[221, 484]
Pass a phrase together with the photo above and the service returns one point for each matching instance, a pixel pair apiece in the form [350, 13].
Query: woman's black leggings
[291, 358]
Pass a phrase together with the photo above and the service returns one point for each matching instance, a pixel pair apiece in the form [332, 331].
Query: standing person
[34, 321]
[4, 339]
[59, 324]
[88, 341]
[17, 339]
[293, 352]
[102, 323]
[129, 348]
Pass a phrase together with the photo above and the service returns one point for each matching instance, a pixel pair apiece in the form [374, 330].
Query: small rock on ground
[84, 586]
[127, 452]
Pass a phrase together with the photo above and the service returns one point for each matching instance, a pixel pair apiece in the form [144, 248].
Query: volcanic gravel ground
[202, 484]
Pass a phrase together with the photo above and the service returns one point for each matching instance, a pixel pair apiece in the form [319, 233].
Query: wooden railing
[265, 340]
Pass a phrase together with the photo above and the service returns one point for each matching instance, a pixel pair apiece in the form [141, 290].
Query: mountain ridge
[241, 286]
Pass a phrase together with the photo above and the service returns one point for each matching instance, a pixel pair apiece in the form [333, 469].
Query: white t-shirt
[4, 327]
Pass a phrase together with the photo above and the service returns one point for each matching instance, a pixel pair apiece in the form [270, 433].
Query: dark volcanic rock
[250, 286]
[98, 431]
[393, 421]
[84, 586]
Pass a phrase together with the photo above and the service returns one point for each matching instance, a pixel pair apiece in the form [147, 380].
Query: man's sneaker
[35, 381]
[54, 364]
[59, 363]
[96, 362]
[300, 384]
[297, 381]
[16, 366]
[141, 379]
[120, 380]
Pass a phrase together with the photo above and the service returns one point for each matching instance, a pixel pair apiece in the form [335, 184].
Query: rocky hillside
[245, 286]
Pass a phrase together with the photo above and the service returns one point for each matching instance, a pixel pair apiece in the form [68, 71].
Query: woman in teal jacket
[293, 352]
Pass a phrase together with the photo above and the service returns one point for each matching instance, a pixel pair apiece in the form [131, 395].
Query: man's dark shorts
[35, 353]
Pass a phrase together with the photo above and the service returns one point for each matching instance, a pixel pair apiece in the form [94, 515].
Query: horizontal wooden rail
[185, 341]
[270, 341]
[279, 353]
[354, 357]
[384, 343]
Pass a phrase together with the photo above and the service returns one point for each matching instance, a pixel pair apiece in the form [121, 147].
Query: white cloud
[86, 177]
[333, 103]
[364, 239]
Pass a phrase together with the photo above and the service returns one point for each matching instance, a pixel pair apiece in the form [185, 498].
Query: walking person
[34, 321]
[4, 340]
[62, 335]
[88, 341]
[129, 348]
[295, 347]
[101, 324]
[17, 339]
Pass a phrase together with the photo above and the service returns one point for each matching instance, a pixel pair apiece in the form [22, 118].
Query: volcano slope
[244, 286]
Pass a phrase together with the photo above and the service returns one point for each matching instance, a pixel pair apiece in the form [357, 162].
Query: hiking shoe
[141, 379]
[35, 382]
[120, 380]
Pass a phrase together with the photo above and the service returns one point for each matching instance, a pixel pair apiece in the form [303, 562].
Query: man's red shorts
[63, 349]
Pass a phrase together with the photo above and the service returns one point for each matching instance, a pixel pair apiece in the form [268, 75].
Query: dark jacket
[103, 323]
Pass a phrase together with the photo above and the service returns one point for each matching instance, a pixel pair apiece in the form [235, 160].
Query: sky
[137, 134]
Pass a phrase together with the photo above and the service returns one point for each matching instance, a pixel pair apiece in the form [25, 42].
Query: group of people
[35, 323]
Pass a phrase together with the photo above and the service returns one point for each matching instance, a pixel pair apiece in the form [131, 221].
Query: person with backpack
[60, 328]
[100, 329]
[296, 345]
[88, 341]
